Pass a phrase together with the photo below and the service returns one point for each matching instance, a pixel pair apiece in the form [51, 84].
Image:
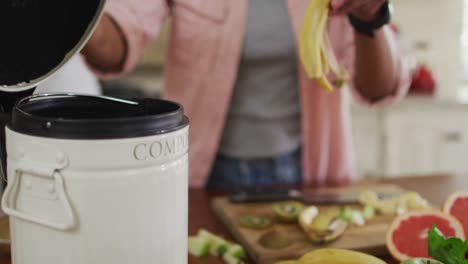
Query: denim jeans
[230, 173]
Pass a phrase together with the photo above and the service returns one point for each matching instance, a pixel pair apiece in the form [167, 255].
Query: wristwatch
[368, 28]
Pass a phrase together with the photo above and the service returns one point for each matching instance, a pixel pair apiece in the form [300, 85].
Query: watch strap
[368, 28]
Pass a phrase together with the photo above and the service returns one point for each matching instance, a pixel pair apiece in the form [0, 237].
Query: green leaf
[447, 250]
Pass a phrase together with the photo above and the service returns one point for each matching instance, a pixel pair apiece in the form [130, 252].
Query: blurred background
[425, 133]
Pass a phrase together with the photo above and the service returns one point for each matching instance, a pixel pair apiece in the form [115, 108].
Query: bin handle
[12, 188]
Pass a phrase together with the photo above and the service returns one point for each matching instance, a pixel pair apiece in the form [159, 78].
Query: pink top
[204, 53]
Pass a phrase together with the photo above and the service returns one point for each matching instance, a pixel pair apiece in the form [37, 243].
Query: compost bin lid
[38, 37]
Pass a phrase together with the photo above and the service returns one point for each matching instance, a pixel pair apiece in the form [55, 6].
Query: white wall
[437, 23]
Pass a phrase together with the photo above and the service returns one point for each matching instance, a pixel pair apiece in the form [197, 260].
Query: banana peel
[322, 227]
[315, 50]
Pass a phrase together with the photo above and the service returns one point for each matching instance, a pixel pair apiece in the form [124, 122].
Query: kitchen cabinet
[367, 141]
[433, 29]
[418, 136]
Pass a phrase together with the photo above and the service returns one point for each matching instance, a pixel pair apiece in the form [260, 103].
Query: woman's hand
[377, 61]
[365, 10]
[106, 49]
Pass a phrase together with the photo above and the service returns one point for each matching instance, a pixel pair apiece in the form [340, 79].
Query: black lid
[67, 116]
[39, 36]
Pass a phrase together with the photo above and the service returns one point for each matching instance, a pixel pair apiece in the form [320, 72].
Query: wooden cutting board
[369, 238]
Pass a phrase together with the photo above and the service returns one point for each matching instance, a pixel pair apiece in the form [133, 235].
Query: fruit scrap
[410, 201]
[207, 243]
[346, 213]
[315, 49]
[218, 246]
[408, 233]
[288, 211]
[448, 250]
[445, 239]
[457, 206]
[357, 217]
[255, 222]
[274, 240]
[198, 246]
[368, 213]
[338, 256]
[324, 226]
[443, 250]
[334, 256]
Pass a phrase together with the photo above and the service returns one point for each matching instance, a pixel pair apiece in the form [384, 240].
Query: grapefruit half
[457, 206]
[408, 233]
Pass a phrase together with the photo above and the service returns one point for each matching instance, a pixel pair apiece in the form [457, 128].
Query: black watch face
[35, 35]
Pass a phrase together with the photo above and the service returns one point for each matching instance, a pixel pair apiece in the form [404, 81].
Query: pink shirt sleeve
[140, 21]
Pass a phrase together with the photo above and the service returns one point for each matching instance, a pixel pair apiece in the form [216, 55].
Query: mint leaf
[447, 250]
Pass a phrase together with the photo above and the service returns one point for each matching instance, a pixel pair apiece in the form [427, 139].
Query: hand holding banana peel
[315, 49]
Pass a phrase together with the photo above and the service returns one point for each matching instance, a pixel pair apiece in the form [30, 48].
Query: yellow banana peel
[315, 50]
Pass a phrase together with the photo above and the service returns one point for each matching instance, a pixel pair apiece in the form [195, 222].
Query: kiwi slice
[274, 240]
[255, 222]
[288, 211]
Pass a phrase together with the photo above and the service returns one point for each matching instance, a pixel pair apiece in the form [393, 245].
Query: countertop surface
[435, 188]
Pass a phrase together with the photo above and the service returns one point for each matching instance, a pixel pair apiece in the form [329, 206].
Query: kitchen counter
[435, 188]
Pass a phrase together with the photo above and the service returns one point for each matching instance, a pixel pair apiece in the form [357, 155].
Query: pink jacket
[205, 48]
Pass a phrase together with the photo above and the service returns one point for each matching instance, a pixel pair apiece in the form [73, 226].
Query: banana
[338, 256]
[315, 51]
